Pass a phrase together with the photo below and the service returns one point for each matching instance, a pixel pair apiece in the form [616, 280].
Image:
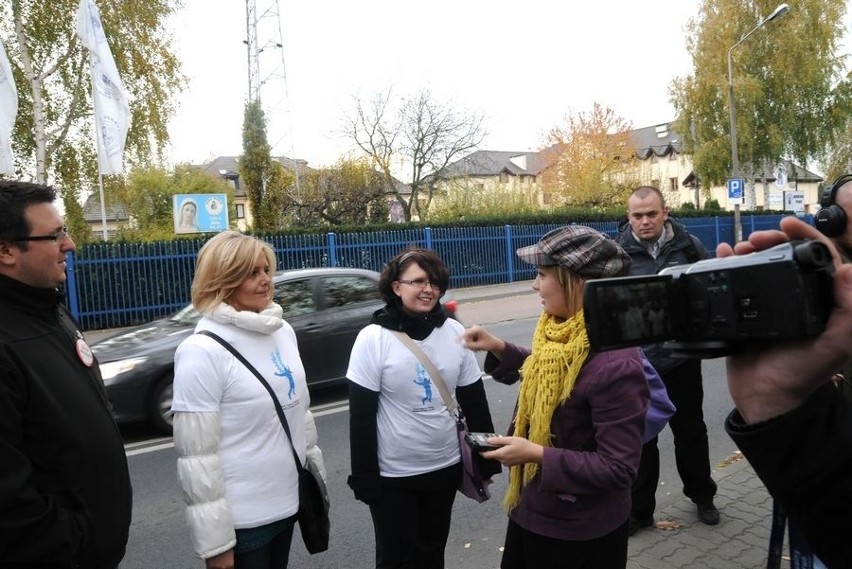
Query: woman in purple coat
[576, 437]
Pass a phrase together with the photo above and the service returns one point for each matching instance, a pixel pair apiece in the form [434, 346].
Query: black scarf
[418, 326]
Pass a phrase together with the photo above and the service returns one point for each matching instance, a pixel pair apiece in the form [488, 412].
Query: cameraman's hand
[514, 450]
[479, 339]
[769, 382]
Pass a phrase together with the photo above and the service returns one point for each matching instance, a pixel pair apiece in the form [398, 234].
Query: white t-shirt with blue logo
[261, 482]
[416, 435]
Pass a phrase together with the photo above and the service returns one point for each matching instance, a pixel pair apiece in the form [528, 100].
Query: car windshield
[186, 315]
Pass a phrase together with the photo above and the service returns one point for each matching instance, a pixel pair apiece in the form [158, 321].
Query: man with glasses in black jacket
[65, 496]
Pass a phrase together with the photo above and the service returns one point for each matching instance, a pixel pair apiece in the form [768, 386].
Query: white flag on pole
[8, 110]
[112, 112]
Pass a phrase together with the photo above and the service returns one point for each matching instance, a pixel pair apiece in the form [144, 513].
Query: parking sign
[735, 188]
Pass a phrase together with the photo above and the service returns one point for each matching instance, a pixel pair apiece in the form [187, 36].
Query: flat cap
[582, 250]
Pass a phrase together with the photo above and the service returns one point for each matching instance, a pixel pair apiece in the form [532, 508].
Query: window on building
[504, 178]
[673, 184]
[241, 211]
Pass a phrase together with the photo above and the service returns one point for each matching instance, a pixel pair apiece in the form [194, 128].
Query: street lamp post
[735, 158]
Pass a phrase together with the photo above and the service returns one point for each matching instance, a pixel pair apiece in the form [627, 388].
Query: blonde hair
[572, 286]
[223, 264]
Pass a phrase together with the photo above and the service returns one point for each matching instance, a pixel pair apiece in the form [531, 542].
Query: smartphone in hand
[479, 441]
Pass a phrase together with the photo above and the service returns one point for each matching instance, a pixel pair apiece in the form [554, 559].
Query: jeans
[692, 452]
[271, 554]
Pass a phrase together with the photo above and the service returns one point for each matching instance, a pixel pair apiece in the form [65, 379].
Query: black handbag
[314, 523]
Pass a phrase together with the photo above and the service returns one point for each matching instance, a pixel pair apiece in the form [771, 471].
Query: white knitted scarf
[266, 321]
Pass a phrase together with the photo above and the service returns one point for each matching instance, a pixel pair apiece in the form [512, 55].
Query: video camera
[717, 306]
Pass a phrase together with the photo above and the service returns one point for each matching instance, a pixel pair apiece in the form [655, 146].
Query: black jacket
[804, 459]
[65, 496]
[679, 248]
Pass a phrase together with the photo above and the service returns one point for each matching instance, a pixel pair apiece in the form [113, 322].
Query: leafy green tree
[840, 155]
[256, 166]
[790, 93]
[591, 159]
[712, 205]
[420, 134]
[278, 196]
[53, 140]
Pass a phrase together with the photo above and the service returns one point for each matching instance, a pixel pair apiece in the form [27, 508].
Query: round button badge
[84, 352]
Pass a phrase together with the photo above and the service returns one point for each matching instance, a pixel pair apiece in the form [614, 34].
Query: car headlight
[113, 369]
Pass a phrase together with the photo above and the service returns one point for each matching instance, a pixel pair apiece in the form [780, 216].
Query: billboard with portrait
[200, 213]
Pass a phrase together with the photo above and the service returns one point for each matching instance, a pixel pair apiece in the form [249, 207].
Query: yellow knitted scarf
[559, 349]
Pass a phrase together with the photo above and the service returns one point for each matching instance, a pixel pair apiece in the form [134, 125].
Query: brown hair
[643, 191]
[427, 260]
[223, 264]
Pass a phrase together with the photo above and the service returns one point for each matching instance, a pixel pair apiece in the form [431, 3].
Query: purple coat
[582, 490]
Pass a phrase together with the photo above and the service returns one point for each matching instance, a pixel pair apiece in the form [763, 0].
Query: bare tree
[421, 134]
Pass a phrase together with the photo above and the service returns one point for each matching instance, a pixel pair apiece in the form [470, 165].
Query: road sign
[735, 188]
[795, 201]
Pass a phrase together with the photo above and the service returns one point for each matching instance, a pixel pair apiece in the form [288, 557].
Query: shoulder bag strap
[256, 373]
[452, 407]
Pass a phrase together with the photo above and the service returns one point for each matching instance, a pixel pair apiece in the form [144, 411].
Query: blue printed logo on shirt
[425, 382]
[284, 371]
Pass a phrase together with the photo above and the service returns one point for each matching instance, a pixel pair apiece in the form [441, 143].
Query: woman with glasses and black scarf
[404, 449]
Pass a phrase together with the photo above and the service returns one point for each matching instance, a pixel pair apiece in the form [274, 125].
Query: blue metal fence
[112, 285]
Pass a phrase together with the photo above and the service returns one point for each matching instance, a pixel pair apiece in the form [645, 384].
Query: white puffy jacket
[208, 517]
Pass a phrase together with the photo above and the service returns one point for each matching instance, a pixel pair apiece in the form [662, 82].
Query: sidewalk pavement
[678, 540]
[740, 541]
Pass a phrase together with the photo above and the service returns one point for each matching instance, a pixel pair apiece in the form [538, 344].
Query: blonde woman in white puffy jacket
[235, 465]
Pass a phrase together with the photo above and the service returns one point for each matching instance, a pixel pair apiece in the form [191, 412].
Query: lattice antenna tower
[267, 78]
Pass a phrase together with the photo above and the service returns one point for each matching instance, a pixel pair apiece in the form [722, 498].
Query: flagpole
[109, 99]
[103, 207]
[99, 150]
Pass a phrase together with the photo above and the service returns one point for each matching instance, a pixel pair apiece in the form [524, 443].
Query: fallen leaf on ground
[669, 525]
[736, 457]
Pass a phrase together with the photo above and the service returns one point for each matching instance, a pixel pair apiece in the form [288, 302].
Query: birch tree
[53, 140]
[790, 79]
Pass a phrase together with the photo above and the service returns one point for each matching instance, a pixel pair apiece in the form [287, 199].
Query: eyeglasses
[56, 236]
[419, 283]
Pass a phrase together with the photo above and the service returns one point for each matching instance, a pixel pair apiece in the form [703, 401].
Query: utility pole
[267, 77]
[735, 157]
